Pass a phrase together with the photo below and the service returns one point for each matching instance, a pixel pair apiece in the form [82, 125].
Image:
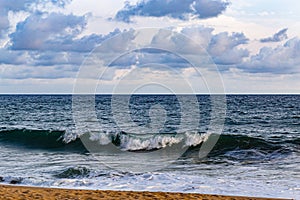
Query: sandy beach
[23, 192]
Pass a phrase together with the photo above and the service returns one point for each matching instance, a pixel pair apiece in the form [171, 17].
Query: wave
[73, 172]
[54, 140]
[39, 139]
[135, 142]
[246, 148]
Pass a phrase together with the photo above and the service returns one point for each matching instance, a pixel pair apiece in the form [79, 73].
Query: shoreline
[33, 192]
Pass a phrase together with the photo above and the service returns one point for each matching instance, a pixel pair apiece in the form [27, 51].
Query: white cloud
[33, 72]
[225, 50]
[177, 9]
[277, 37]
[284, 59]
[37, 29]
[238, 81]
[24, 5]
[48, 40]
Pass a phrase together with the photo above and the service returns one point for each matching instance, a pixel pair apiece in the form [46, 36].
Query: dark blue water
[257, 154]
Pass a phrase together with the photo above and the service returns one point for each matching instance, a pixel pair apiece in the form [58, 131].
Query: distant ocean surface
[258, 153]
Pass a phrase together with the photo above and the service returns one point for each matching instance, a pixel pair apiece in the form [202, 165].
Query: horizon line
[150, 94]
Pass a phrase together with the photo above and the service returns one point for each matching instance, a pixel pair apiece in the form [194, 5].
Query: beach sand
[24, 192]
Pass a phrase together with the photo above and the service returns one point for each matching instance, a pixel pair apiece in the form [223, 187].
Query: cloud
[19, 58]
[13, 57]
[18, 5]
[34, 32]
[277, 37]
[5, 7]
[22, 5]
[55, 32]
[178, 9]
[54, 47]
[284, 59]
[67, 55]
[83, 44]
[32, 72]
[57, 58]
[200, 34]
[150, 57]
[53, 41]
[4, 23]
[227, 52]
[224, 48]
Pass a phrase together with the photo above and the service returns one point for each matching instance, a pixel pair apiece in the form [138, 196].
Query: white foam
[135, 142]
[103, 138]
[155, 142]
[194, 139]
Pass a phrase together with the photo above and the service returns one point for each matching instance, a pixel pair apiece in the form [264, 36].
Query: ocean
[42, 143]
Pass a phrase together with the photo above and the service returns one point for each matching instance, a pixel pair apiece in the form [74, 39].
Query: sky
[253, 46]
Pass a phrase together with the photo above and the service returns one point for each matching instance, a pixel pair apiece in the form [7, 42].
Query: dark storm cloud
[178, 9]
[277, 37]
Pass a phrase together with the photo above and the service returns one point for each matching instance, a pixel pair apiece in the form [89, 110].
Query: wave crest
[55, 141]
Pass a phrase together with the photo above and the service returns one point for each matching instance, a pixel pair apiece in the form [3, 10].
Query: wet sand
[24, 192]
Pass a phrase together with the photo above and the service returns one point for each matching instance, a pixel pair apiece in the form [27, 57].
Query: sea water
[257, 154]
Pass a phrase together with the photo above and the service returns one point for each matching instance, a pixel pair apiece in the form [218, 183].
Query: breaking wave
[54, 141]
